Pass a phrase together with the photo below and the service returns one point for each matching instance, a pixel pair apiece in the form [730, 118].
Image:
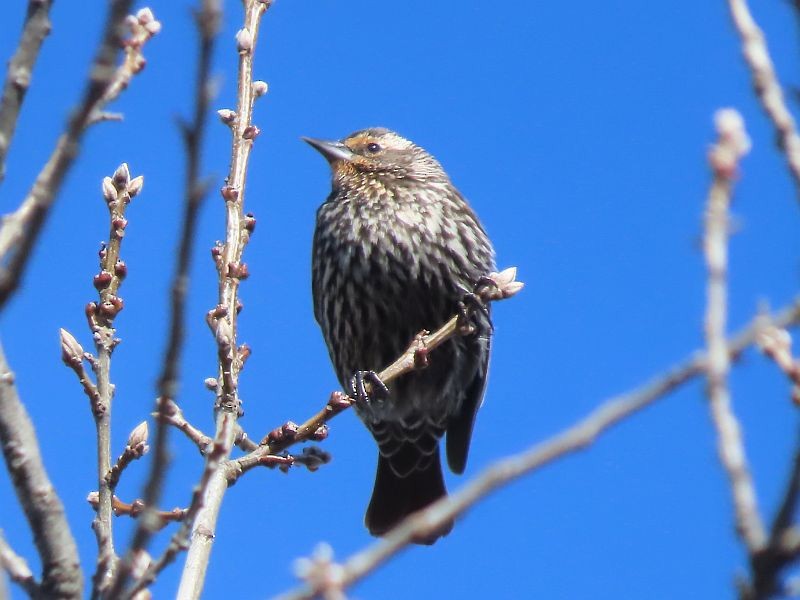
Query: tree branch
[17, 569]
[20, 230]
[20, 71]
[766, 84]
[724, 158]
[195, 190]
[223, 319]
[323, 576]
[61, 577]
[118, 191]
[207, 19]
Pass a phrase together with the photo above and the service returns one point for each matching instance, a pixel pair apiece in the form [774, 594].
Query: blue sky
[579, 133]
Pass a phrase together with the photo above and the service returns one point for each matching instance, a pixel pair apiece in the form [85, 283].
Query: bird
[396, 249]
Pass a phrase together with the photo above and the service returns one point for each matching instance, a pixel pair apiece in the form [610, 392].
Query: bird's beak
[332, 151]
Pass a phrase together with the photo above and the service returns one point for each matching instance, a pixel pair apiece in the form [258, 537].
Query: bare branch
[137, 508]
[171, 414]
[724, 158]
[135, 448]
[20, 230]
[17, 569]
[223, 319]
[577, 437]
[777, 344]
[783, 546]
[20, 71]
[766, 84]
[62, 577]
[118, 191]
[195, 190]
[211, 482]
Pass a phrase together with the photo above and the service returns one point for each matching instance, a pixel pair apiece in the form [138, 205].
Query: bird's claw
[469, 304]
[358, 387]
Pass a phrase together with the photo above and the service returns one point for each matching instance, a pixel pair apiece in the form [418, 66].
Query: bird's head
[380, 154]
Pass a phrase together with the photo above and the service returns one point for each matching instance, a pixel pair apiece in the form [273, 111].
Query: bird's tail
[395, 497]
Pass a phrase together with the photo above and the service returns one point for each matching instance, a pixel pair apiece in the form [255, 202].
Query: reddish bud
[249, 222]
[320, 434]
[240, 271]
[230, 193]
[122, 176]
[102, 280]
[251, 132]
[121, 269]
[339, 401]
[244, 352]
[227, 116]
[289, 430]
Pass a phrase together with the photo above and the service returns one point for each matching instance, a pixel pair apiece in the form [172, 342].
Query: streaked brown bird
[396, 249]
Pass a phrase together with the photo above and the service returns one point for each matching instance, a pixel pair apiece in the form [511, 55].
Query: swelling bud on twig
[733, 143]
[251, 132]
[109, 189]
[227, 115]
[260, 88]
[506, 283]
[71, 350]
[138, 437]
[244, 41]
[122, 176]
[135, 186]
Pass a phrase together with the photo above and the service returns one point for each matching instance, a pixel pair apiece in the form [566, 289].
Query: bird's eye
[373, 148]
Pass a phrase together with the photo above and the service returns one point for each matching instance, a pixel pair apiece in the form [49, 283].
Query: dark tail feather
[394, 498]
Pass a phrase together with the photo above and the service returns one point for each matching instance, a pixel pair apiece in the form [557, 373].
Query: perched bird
[396, 248]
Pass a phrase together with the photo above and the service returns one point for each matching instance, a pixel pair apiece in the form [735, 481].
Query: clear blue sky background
[579, 132]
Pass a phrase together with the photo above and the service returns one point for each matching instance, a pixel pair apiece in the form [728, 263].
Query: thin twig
[118, 191]
[777, 344]
[17, 569]
[62, 577]
[337, 577]
[195, 190]
[223, 319]
[136, 509]
[723, 159]
[209, 482]
[497, 286]
[135, 448]
[783, 546]
[20, 71]
[766, 84]
[171, 414]
[21, 229]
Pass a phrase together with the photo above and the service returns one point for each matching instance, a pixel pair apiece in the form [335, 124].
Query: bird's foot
[358, 387]
[473, 302]
[470, 303]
